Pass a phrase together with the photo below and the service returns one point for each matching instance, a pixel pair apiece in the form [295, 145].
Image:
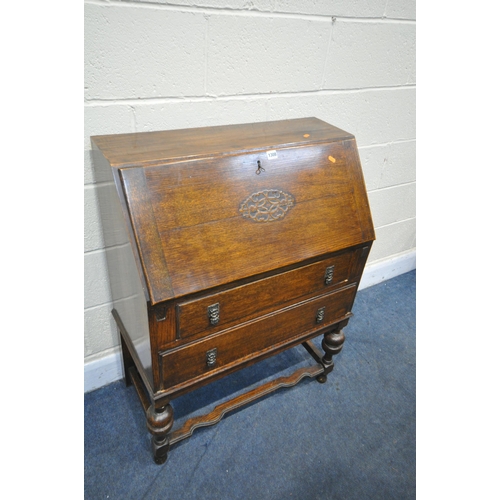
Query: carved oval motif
[267, 205]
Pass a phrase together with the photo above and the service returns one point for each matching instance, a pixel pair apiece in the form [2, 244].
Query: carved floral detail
[267, 205]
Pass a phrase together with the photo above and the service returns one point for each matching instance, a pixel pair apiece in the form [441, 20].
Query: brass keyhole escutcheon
[260, 168]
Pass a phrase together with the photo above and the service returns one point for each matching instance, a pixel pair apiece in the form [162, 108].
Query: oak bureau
[241, 241]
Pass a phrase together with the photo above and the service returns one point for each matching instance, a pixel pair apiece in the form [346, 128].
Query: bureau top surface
[174, 145]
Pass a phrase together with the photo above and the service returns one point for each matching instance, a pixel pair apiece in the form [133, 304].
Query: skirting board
[104, 370]
[386, 269]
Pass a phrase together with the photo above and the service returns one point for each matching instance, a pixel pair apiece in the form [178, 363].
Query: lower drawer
[253, 338]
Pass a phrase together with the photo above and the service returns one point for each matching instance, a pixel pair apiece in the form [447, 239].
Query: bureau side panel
[127, 290]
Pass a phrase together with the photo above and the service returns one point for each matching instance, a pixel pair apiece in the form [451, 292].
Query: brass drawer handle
[212, 357]
[320, 315]
[329, 275]
[213, 313]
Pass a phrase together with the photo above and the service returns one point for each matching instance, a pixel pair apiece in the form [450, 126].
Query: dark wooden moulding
[227, 245]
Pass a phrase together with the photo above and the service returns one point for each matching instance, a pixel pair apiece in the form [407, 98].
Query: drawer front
[247, 341]
[220, 311]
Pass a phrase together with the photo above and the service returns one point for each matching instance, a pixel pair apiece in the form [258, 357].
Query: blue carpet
[351, 438]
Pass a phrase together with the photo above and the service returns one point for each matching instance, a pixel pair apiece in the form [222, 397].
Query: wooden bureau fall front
[243, 241]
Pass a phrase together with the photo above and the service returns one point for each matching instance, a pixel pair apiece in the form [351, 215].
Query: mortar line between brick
[167, 100]
[90, 185]
[103, 249]
[384, 144]
[133, 119]
[244, 12]
[327, 53]
[109, 302]
[208, 10]
[395, 186]
[385, 8]
[91, 308]
[207, 33]
[397, 222]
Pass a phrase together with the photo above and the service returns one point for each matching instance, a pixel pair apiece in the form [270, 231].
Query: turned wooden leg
[159, 422]
[332, 344]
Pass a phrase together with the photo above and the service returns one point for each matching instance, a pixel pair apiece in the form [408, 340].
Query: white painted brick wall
[370, 54]
[137, 52]
[160, 64]
[259, 55]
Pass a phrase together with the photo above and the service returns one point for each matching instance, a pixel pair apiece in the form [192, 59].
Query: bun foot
[322, 378]
[160, 450]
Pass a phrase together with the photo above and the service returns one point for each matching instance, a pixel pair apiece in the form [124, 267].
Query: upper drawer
[216, 312]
